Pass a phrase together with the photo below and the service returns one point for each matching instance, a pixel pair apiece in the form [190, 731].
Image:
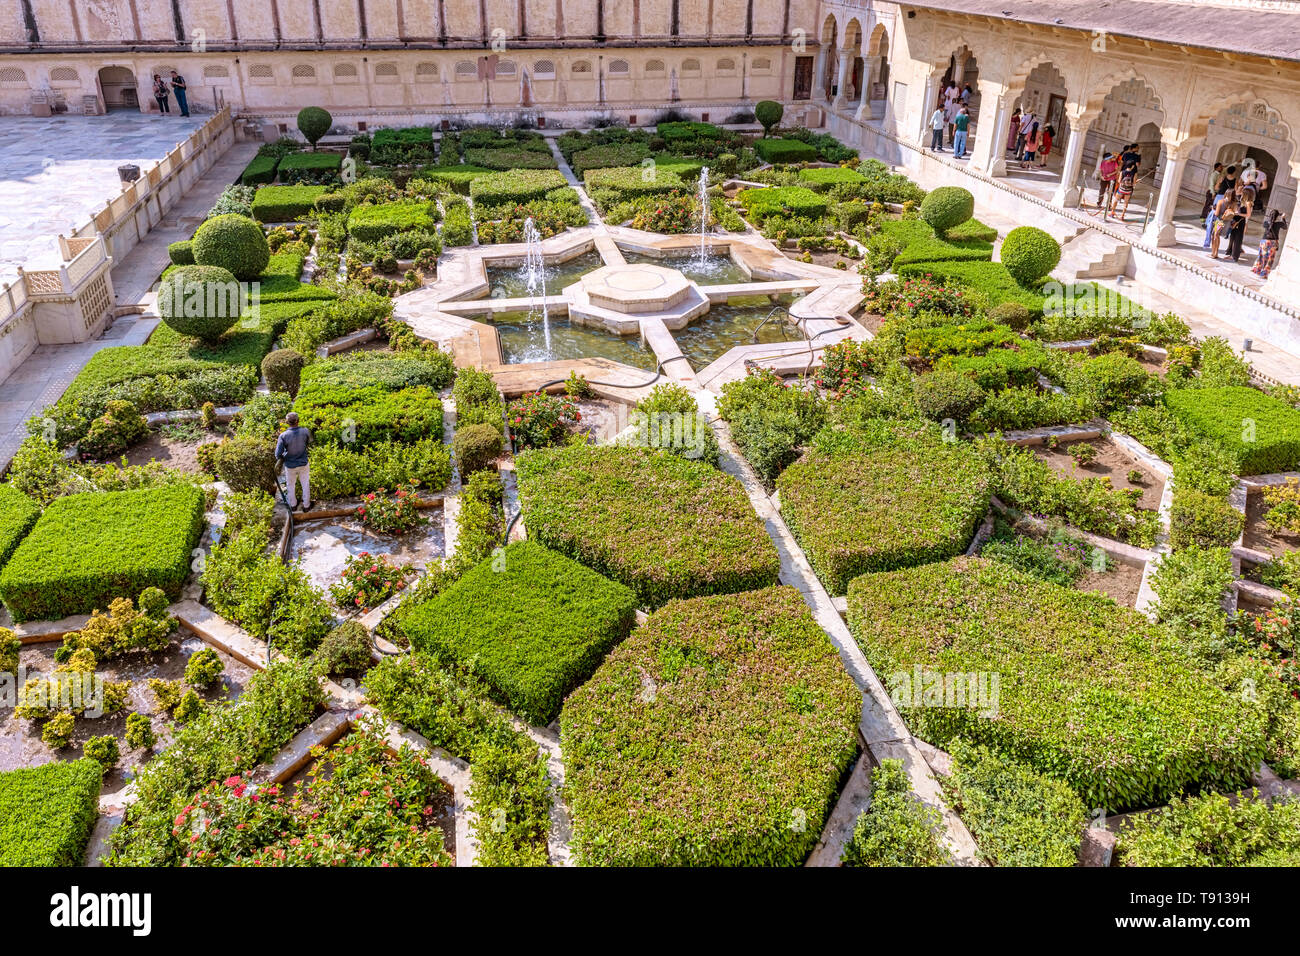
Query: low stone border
[854, 800]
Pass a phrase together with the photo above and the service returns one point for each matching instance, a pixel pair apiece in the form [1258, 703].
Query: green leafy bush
[120, 427]
[782, 201]
[339, 471]
[517, 186]
[1092, 694]
[203, 668]
[103, 750]
[1018, 816]
[372, 223]
[946, 207]
[947, 395]
[181, 253]
[768, 113]
[88, 549]
[897, 829]
[47, 813]
[784, 151]
[1029, 253]
[1198, 520]
[261, 169]
[880, 497]
[769, 419]
[1213, 830]
[246, 463]
[285, 203]
[345, 651]
[314, 122]
[1190, 585]
[1261, 432]
[18, 515]
[532, 624]
[283, 370]
[670, 419]
[477, 447]
[822, 178]
[407, 146]
[201, 301]
[701, 737]
[234, 243]
[663, 525]
[310, 168]
[139, 732]
[1108, 381]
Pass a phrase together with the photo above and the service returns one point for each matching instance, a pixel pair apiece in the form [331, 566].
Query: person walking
[1031, 146]
[1237, 233]
[1107, 176]
[291, 454]
[936, 129]
[179, 88]
[1224, 214]
[962, 123]
[1271, 242]
[1225, 183]
[1026, 123]
[160, 94]
[1211, 181]
[1045, 144]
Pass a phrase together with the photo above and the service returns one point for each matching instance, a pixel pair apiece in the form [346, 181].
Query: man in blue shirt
[291, 453]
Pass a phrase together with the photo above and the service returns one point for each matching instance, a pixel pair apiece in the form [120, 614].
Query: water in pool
[523, 339]
[708, 338]
[720, 270]
[512, 283]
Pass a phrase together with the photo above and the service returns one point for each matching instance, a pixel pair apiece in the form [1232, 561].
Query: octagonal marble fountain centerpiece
[618, 297]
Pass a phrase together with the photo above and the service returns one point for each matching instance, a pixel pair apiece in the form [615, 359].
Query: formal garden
[654, 471]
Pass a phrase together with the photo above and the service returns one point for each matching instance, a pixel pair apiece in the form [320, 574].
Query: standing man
[1026, 121]
[936, 129]
[1211, 181]
[962, 123]
[291, 453]
[179, 88]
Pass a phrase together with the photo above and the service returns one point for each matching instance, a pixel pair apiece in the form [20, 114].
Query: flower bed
[665, 526]
[47, 813]
[704, 738]
[1262, 432]
[874, 501]
[90, 548]
[372, 398]
[1089, 693]
[531, 623]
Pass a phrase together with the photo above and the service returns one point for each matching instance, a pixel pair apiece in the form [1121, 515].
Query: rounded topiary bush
[345, 651]
[313, 123]
[476, 448]
[1029, 254]
[283, 370]
[202, 301]
[946, 207]
[232, 242]
[948, 395]
[769, 113]
[246, 464]
[181, 253]
[1013, 315]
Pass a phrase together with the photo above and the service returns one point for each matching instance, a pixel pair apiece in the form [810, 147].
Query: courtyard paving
[56, 171]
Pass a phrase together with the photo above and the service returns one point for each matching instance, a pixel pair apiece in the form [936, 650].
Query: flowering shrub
[369, 581]
[1276, 635]
[359, 807]
[1283, 516]
[912, 295]
[671, 213]
[394, 515]
[539, 420]
[846, 367]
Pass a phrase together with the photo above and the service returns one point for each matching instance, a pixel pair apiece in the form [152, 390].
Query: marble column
[1068, 192]
[1160, 230]
[841, 84]
[992, 154]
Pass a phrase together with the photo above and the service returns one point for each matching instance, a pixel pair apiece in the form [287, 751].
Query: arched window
[386, 73]
[345, 73]
[507, 68]
[466, 70]
[691, 66]
[618, 68]
[762, 65]
[426, 73]
[12, 76]
[582, 66]
[215, 73]
[64, 76]
[727, 66]
[544, 69]
[304, 73]
[261, 73]
[654, 67]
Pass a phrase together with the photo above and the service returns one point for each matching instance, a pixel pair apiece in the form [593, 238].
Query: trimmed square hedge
[782, 201]
[531, 623]
[665, 526]
[307, 166]
[784, 151]
[17, 515]
[517, 186]
[920, 244]
[629, 181]
[48, 812]
[372, 223]
[90, 548]
[706, 735]
[386, 398]
[859, 502]
[260, 170]
[822, 178]
[285, 203]
[1261, 431]
[1090, 693]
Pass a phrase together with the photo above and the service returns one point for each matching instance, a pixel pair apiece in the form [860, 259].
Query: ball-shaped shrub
[202, 301]
[345, 651]
[476, 448]
[246, 464]
[232, 242]
[283, 370]
[769, 113]
[946, 207]
[103, 750]
[1013, 315]
[947, 395]
[1029, 254]
[181, 253]
[313, 123]
[120, 427]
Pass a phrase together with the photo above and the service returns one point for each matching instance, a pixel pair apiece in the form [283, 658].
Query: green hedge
[784, 151]
[665, 526]
[609, 156]
[1089, 693]
[518, 186]
[260, 170]
[18, 514]
[821, 178]
[88, 549]
[47, 813]
[531, 623]
[716, 735]
[285, 203]
[1262, 432]
[372, 223]
[782, 201]
[457, 177]
[889, 497]
[628, 182]
[1213, 829]
[318, 167]
[505, 159]
[384, 398]
[918, 243]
